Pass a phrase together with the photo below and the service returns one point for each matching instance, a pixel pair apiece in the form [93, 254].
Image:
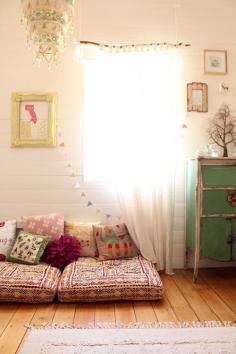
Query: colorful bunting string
[77, 184]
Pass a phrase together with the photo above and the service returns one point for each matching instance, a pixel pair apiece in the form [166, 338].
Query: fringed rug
[187, 338]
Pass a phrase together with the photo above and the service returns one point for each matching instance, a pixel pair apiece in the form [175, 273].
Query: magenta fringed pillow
[61, 252]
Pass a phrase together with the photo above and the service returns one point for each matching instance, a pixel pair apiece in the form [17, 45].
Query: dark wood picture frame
[197, 97]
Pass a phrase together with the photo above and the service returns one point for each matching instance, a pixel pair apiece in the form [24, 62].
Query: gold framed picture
[215, 62]
[33, 119]
[197, 97]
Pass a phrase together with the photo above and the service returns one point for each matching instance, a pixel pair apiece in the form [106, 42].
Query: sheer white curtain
[130, 136]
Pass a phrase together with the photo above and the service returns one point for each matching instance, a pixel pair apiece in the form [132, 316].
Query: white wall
[34, 181]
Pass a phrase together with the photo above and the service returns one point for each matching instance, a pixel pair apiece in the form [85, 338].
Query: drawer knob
[231, 239]
[232, 198]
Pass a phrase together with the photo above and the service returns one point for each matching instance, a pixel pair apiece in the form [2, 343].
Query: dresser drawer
[221, 176]
[216, 202]
[214, 239]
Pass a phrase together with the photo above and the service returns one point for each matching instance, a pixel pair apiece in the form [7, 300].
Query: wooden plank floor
[212, 298]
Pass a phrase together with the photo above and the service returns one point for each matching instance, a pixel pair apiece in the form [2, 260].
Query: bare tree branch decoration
[222, 130]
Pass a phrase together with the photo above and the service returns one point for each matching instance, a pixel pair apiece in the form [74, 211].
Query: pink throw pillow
[114, 242]
[49, 225]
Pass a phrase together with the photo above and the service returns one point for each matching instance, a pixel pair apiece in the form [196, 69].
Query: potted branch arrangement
[222, 130]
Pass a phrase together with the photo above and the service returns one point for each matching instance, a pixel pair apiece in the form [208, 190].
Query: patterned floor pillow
[89, 280]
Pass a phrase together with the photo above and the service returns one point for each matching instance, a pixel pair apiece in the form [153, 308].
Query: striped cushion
[28, 283]
[89, 280]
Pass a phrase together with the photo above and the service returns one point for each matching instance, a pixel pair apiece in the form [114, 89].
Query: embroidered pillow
[7, 236]
[84, 234]
[114, 241]
[60, 253]
[28, 248]
[50, 224]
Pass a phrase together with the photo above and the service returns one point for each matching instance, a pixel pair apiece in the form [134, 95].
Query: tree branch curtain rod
[136, 46]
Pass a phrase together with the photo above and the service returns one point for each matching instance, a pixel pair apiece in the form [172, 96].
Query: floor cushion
[28, 283]
[89, 279]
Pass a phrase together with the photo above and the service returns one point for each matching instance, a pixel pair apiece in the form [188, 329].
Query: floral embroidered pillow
[50, 224]
[28, 248]
[84, 234]
[114, 241]
[7, 236]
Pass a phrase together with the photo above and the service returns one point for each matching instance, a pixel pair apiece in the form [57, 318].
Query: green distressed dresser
[211, 209]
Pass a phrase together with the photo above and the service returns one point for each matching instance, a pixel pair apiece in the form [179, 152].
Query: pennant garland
[68, 165]
[98, 210]
[77, 184]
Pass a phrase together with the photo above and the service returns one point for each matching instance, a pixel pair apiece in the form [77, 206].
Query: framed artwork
[33, 119]
[197, 97]
[215, 62]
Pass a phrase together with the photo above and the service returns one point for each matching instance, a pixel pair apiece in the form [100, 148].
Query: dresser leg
[196, 263]
[186, 259]
[195, 274]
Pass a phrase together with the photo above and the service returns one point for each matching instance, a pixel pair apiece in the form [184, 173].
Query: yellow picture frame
[33, 120]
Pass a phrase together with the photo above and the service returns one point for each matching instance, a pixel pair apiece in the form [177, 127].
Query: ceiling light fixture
[48, 23]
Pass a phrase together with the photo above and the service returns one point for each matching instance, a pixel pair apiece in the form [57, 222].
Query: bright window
[131, 114]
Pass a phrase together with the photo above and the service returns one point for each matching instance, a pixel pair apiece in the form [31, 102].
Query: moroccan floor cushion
[28, 283]
[90, 280]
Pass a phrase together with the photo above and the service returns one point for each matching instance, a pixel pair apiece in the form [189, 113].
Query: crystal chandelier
[48, 23]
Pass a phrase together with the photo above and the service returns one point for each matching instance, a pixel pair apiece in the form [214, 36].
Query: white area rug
[198, 340]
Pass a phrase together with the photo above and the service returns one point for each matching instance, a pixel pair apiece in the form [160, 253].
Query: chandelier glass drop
[48, 23]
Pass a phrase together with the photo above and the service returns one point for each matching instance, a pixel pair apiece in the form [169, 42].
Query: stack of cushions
[29, 281]
[118, 272]
[109, 266]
